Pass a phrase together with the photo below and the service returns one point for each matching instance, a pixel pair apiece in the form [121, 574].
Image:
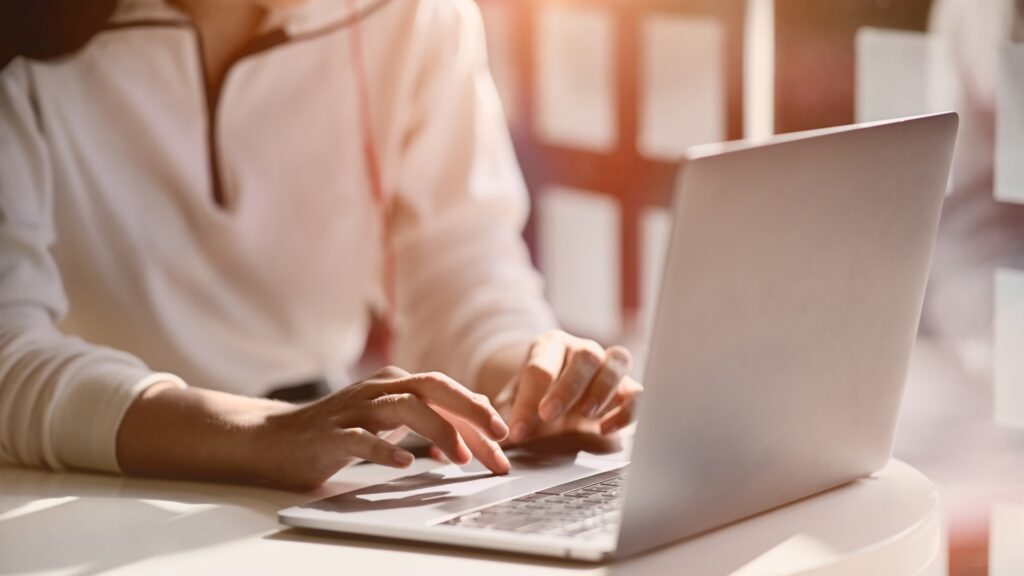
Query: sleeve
[465, 286]
[61, 399]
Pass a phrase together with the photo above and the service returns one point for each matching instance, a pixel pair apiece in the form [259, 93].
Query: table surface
[83, 524]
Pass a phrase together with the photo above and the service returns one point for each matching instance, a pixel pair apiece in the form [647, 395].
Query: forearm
[193, 433]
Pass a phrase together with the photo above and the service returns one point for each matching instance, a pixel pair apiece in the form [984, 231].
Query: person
[208, 202]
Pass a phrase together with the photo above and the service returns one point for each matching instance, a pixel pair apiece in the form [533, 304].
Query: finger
[369, 388]
[582, 362]
[394, 436]
[394, 410]
[436, 454]
[389, 373]
[619, 417]
[544, 364]
[628, 388]
[365, 445]
[600, 394]
[439, 390]
[483, 448]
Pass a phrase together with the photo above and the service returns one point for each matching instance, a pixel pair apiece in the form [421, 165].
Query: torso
[268, 290]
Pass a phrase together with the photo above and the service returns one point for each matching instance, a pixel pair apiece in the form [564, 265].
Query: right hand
[304, 445]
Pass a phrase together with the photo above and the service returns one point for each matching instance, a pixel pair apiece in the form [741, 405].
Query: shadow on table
[357, 501]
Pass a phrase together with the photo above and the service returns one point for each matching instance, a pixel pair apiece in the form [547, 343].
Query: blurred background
[604, 95]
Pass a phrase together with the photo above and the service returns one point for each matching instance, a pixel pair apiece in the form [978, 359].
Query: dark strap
[304, 392]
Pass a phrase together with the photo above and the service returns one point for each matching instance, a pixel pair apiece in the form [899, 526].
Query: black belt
[302, 392]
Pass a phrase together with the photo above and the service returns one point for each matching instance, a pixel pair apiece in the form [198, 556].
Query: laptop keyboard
[584, 508]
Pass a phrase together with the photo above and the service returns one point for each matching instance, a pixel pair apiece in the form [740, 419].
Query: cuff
[488, 345]
[88, 414]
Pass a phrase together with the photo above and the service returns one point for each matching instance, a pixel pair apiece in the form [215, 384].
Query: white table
[82, 524]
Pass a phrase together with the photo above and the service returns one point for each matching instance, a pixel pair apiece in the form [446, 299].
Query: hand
[305, 445]
[569, 384]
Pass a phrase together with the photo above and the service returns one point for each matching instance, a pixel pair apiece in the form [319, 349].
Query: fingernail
[499, 428]
[519, 431]
[551, 409]
[402, 458]
[588, 408]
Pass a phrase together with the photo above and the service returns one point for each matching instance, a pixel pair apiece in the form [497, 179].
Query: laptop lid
[789, 305]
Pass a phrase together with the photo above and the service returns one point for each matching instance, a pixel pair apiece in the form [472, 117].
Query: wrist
[265, 435]
[496, 372]
[193, 433]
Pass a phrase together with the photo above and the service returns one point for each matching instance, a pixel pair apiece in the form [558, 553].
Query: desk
[86, 524]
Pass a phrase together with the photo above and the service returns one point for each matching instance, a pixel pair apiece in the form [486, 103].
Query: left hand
[569, 384]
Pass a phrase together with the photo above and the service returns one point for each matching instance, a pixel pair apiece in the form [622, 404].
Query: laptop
[788, 308]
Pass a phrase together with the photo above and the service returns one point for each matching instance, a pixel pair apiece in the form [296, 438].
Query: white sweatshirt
[119, 268]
